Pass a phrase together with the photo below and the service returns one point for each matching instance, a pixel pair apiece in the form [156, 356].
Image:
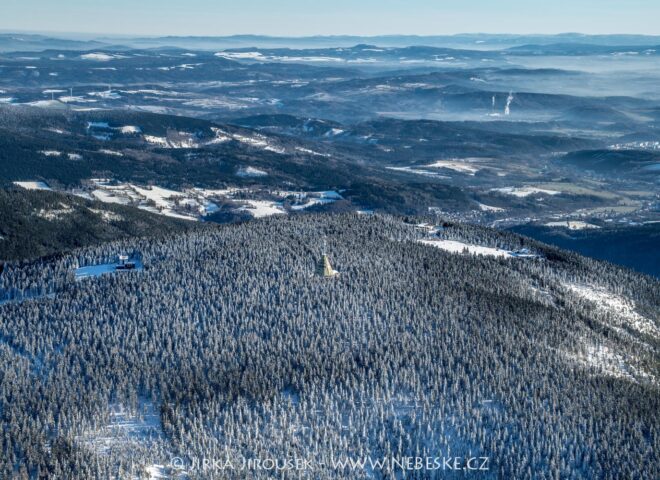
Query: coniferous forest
[228, 345]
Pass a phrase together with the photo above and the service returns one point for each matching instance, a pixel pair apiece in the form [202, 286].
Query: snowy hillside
[227, 344]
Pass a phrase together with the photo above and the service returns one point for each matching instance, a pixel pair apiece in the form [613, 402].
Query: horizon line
[334, 35]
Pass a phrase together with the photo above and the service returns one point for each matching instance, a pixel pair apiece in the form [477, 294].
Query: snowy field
[310, 199]
[186, 205]
[572, 225]
[262, 208]
[454, 246]
[418, 171]
[468, 166]
[196, 203]
[522, 192]
[489, 208]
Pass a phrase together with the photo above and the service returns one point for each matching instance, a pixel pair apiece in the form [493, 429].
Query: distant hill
[641, 162]
[25, 42]
[585, 48]
[636, 247]
[39, 223]
[37, 144]
[523, 44]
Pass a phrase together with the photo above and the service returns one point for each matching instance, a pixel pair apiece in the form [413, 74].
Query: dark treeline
[39, 223]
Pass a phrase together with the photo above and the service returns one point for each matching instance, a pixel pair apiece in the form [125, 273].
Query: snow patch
[51, 153]
[107, 94]
[33, 185]
[418, 171]
[311, 152]
[608, 362]
[241, 55]
[572, 225]
[262, 208]
[258, 141]
[106, 215]
[127, 129]
[453, 246]
[126, 431]
[114, 153]
[621, 310]
[463, 166]
[525, 191]
[251, 172]
[489, 208]
[185, 205]
[184, 140]
[55, 214]
[98, 56]
[109, 197]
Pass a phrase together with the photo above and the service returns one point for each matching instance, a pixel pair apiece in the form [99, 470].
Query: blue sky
[327, 17]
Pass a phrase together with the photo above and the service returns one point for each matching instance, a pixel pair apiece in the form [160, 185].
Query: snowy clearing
[608, 362]
[106, 215]
[51, 153]
[525, 191]
[312, 202]
[100, 56]
[127, 431]
[111, 152]
[109, 197]
[418, 171]
[460, 247]
[258, 141]
[160, 196]
[185, 140]
[251, 172]
[186, 205]
[312, 152]
[304, 200]
[621, 309]
[454, 246]
[572, 225]
[262, 208]
[56, 213]
[489, 208]
[462, 166]
[129, 129]
[107, 94]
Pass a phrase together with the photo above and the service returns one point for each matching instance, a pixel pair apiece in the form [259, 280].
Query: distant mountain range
[480, 41]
